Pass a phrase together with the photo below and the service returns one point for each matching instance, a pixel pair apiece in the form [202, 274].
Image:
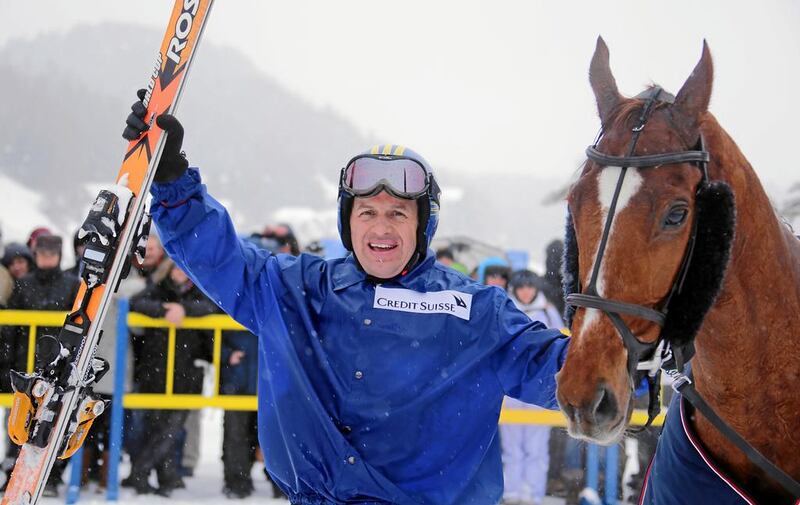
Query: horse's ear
[694, 96]
[603, 83]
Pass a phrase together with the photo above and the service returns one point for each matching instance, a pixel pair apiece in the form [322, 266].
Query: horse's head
[631, 233]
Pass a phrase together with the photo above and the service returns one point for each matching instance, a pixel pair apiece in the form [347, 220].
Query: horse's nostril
[569, 411]
[606, 405]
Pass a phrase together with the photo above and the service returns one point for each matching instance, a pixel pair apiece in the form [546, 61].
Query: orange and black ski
[54, 406]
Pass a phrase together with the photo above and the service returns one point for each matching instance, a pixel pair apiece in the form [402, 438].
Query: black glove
[173, 162]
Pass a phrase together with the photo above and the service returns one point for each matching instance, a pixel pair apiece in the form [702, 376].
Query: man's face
[383, 230]
[47, 259]
[154, 253]
[18, 267]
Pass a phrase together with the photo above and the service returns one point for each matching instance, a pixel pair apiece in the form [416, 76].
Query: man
[18, 259]
[382, 374]
[173, 299]
[6, 279]
[493, 271]
[525, 447]
[284, 237]
[46, 288]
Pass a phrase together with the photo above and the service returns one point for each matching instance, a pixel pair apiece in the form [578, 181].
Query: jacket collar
[347, 273]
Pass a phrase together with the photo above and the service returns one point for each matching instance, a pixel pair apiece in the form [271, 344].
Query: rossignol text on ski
[54, 407]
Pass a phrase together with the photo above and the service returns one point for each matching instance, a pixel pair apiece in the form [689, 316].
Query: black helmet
[427, 199]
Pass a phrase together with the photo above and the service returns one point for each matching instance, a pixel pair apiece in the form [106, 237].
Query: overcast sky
[494, 85]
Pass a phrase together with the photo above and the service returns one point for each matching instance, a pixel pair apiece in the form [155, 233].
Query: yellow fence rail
[218, 323]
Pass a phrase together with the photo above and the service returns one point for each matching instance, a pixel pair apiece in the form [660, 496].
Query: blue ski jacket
[368, 393]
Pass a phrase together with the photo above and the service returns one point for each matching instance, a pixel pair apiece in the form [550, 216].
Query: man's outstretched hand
[173, 162]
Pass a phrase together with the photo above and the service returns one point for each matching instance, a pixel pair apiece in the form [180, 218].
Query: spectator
[46, 288]
[552, 287]
[154, 269]
[173, 298]
[6, 279]
[77, 249]
[494, 271]
[316, 248]
[445, 257]
[239, 373]
[284, 235]
[18, 259]
[35, 234]
[525, 447]
[96, 448]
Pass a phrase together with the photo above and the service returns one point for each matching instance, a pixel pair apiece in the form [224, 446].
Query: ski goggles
[368, 174]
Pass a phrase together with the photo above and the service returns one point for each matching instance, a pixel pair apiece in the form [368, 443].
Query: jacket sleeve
[148, 302]
[199, 306]
[198, 234]
[530, 357]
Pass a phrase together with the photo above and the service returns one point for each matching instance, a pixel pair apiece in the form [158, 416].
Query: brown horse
[747, 363]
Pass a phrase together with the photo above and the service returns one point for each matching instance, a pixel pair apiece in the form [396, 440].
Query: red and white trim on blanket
[646, 480]
[708, 459]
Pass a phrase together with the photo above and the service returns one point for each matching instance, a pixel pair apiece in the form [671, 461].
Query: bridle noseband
[641, 359]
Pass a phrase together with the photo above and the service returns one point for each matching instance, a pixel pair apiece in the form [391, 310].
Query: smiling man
[382, 374]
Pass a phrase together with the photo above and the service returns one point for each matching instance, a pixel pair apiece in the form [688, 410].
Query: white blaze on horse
[672, 242]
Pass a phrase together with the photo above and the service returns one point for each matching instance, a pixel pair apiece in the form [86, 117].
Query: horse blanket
[682, 472]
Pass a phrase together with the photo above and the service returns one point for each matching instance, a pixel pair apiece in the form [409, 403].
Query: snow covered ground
[204, 488]
[206, 485]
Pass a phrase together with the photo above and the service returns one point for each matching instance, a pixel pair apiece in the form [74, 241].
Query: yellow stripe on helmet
[398, 150]
[387, 149]
[374, 149]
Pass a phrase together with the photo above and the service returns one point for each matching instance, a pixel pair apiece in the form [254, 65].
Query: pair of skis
[53, 407]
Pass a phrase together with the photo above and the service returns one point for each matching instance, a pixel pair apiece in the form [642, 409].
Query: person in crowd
[6, 279]
[566, 473]
[154, 268]
[18, 259]
[366, 395]
[46, 288]
[525, 447]
[34, 236]
[493, 271]
[552, 287]
[238, 376]
[284, 236]
[446, 258]
[96, 447]
[174, 298]
[77, 248]
[316, 248]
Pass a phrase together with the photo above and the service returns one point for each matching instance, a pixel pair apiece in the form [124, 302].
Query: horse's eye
[676, 217]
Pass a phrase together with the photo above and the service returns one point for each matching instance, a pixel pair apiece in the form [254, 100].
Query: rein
[650, 358]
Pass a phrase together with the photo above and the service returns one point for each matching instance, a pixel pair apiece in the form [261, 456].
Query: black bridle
[644, 359]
